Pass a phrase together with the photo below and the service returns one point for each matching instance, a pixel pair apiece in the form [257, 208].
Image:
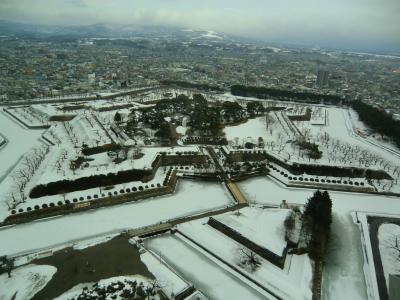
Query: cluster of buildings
[30, 68]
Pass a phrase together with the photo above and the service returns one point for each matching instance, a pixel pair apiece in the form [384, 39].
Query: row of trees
[284, 95]
[23, 175]
[378, 120]
[189, 85]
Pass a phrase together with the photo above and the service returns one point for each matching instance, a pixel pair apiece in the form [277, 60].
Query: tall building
[322, 78]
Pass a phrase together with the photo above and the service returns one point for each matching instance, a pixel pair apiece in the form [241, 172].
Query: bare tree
[249, 258]
[152, 288]
[393, 243]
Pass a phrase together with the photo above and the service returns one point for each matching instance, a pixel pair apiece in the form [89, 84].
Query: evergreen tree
[117, 117]
[317, 218]
[326, 211]
[311, 207]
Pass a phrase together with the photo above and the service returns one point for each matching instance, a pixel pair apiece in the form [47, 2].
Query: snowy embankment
[291, 282]
[190, 198]
[171, 282]
[345, 259]
[214, 280]
[20, 141]
[25, 281]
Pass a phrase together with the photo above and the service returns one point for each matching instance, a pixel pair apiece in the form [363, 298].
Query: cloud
[341, 22]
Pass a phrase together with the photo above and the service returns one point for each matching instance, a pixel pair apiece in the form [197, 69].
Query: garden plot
[212, 279]
[191, 198]
[58, 164]
[25, 281]
[82, 130]
[336, 144]
[262, 226]
[291, 282]
[30, 116]
[93, 193]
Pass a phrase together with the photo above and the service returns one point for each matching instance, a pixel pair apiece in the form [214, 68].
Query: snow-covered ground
[25, 281]
[389, 239]
[343, 273]
[91, 288]
[190, 198]
[264, 227]
[3, 141]
[171, 282]
[253, 128]
[385, 240]
[30, 116]
[211, 279]
[291, 282]
[20, 141]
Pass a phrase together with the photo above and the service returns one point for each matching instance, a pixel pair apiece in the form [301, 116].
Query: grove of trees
[378, 120]
[285, 95]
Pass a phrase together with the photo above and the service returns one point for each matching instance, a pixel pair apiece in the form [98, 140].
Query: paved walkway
[236, 193]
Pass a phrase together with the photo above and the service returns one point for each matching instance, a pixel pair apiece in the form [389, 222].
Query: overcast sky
[363, 24]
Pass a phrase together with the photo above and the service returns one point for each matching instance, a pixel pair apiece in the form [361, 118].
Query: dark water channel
[114, 258]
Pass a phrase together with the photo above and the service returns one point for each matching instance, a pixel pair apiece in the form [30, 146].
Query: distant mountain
[102, 30]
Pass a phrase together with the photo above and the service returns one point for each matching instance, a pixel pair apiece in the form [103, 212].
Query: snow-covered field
[190, 198]
[264, 227]
[25, 281]
[253, 128]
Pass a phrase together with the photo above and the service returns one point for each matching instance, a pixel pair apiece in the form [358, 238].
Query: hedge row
[84, 183]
